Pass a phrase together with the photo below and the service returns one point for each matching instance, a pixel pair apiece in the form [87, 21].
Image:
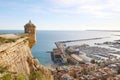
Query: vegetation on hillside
[35, 75]
[6, 40]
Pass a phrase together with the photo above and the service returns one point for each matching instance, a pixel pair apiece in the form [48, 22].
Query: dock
[61, 47]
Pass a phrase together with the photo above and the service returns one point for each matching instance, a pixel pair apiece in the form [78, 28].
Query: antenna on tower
[30, 21]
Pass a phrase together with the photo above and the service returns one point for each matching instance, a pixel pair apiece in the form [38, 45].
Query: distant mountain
[105, 30]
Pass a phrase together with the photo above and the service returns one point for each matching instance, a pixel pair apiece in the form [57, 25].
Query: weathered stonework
[30, 30]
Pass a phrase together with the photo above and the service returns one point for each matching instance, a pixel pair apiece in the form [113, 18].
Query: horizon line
[68, 29]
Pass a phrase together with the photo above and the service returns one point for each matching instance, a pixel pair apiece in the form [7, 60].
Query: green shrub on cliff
[20, 77]
[7, 76]
[36, 75]
[6, 40]
[10, 76]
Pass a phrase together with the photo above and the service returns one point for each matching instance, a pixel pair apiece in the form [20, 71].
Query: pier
[81, 40]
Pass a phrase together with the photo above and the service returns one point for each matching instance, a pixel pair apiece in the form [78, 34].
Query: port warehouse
[58, 57]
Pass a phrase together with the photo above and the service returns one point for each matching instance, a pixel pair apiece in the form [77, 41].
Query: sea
[47, 38]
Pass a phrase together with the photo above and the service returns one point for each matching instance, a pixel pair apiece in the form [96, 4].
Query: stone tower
[30, 31]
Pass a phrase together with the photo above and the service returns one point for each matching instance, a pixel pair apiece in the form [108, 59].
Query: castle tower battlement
[30, 30]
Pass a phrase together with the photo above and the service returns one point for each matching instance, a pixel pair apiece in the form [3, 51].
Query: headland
[16, 59]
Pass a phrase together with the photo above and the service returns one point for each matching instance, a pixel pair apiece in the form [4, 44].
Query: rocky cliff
[16, 57]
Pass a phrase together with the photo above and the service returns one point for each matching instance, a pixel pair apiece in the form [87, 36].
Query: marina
[85, 53]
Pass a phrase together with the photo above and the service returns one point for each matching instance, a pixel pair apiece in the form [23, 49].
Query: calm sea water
[46, 39]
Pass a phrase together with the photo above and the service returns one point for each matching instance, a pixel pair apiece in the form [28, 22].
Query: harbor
[100, 61]
[85, 53]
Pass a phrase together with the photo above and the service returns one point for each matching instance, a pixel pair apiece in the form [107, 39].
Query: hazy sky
[61, 14]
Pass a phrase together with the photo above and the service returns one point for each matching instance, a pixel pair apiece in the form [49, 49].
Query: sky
[60, 14]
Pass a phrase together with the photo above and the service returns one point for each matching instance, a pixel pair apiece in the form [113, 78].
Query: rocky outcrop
[17, 58]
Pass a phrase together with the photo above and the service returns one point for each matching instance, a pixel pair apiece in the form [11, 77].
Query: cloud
[36, 9]
[72, 2]
[99, 8]
[114, 5]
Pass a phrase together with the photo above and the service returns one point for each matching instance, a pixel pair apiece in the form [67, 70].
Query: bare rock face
[17, 57]
[14, 56]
